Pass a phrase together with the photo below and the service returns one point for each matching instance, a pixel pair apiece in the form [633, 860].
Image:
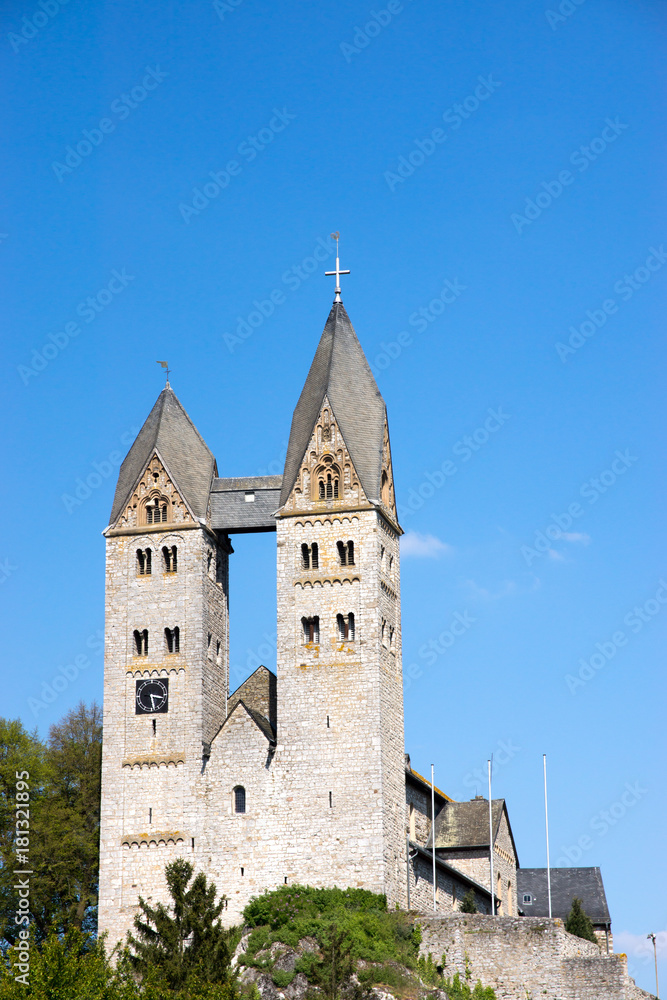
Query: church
[299, 776]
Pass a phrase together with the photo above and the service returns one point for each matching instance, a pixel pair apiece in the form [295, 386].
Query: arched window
[170, 556]
[173, 639]
[239, 799]
[311, 629]
[346, 553]
[310, 556]
[143, 562]
[391, 640]
[345, 627]
[383, 634]
[141, 642]
[156, 510]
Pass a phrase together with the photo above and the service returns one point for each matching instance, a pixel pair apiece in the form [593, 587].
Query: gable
[327, 477]
[155, 486]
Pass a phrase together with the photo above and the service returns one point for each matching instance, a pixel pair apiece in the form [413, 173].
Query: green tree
[186, 941]
[63, 815]
[468, 904]
[579, 923]
[332, 974]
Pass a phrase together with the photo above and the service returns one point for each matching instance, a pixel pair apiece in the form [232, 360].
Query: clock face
[152, 697]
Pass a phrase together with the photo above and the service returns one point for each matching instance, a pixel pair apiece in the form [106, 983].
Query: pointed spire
[169, 431]
[340, 372]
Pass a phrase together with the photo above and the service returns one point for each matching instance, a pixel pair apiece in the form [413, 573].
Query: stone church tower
[298, 777]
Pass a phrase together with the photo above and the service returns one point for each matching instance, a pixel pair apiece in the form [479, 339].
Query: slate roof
[466, 824]
[230, 510]
[566, 883]
[168, 430]
[341, 372]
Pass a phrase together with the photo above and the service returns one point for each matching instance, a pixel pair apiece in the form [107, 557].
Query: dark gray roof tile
[169, 431]
[566, 883]
[340, 372]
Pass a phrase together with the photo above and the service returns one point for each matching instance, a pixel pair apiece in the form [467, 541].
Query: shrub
[579, 923]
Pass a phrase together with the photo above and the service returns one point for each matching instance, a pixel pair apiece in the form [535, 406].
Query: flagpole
[493, 901]
[546, 823]
[435, 905]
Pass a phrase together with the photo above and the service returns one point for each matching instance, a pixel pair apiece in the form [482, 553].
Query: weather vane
[165, 365]
[337, 272]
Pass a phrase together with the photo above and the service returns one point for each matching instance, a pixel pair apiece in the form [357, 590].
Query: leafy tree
[187, 941]
[579, 923]
[64, 810]
[468, 904]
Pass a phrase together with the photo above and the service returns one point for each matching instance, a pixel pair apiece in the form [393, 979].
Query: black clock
[152, 696]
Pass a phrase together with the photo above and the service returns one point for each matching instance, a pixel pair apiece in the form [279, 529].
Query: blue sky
[497, 175]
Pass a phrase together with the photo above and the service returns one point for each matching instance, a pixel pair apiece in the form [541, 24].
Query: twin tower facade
[297, 777]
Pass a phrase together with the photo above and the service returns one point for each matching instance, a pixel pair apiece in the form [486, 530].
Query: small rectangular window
[527, 898]
[249, 496]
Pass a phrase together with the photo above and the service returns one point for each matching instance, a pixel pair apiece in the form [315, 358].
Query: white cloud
[638, 945]
[507, 587]
[576, 536]
[423, 546]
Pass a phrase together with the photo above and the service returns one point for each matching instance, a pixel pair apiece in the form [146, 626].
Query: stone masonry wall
[526, 958]
[150, 763]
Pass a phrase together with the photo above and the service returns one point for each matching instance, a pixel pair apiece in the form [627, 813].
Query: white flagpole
[435, 905]
[493, 901]
[546, 823]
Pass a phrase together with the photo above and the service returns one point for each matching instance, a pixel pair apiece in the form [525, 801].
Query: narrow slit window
[311, 629]
[330, 800]
[350, 553]
[170, 555]
[154, 727]
[173, 639]
[321, 489]
[342, 553]
[315, 556]
[141, 642]
[143, 562]
[150, 815]
[239, 800]
[391, 639]
[305, 556]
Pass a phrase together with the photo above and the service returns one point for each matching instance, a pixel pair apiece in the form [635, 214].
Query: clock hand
[152, 698]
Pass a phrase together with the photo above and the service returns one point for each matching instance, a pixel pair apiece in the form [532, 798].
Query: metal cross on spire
[337, 272]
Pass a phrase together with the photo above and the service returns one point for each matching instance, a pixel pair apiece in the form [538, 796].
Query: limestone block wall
[340, 720]
[449, 889]
[150, 762]
[526, 958]
[418, 818]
